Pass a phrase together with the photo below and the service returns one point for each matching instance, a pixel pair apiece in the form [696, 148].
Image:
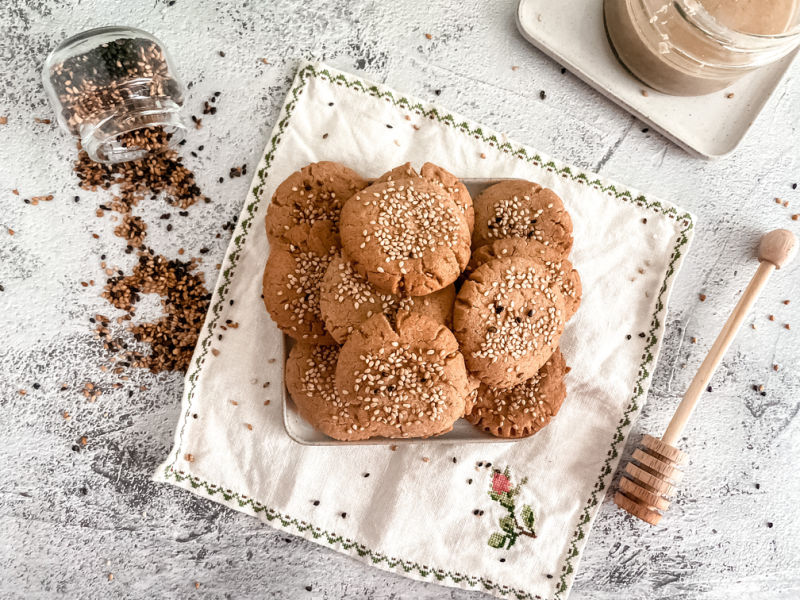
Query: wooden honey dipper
[650, 478]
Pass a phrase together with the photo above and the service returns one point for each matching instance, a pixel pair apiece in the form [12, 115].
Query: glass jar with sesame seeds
[115, 89]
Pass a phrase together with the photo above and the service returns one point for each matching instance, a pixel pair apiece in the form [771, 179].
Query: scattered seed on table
[644, 93]
[786, 301]
[428, 36]
[787, 326]
[515, 68]
[771, 317]
[641, 334]
[483, 155]
[702, 297]
[426, 459]
[344, 515]
[709, 389]
[188, 457]
[215, 352]
[249, 426]
[729, 95]
[542, 95]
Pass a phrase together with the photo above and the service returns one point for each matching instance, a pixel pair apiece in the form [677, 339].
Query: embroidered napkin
[445, 513]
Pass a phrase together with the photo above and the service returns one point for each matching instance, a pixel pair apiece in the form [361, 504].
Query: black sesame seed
[530, 312]
[344, 515]
[709, 389]
[758, 486]
[542, 94]
[641, 334]
[389, 126]
[794, 186]
[194, 416]
[221, 179]
[316, 503]
[627, 337]
[83, 490]
[502, 560]
[645, 129]
[201, 147]
[437, 92]
[488, 465]
[518, 319]
[309, 588]
[222, 54]
[455, 460]
[36, 386]
[366, 474]
[469, 481]
[476, 512]
[549, 576]
[498, 309]
[769, 524]
[76, 448]
[330, 103]
[480, 464]
[77, 198]
[763, 393]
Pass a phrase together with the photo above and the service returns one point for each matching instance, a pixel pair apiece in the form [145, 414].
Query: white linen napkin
[459, 515]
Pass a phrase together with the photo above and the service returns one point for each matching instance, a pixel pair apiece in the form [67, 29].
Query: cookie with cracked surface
[309, 375]
[453, 186]
[519, 208]
[527, 407]
[404, 171]
[314, 193]
[347, 299]
[292, 278]
[405, 236]
[559, 267]
[508, 319]
[408, 380]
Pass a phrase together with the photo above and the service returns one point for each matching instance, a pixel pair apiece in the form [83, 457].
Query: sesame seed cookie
[309, 378]
[292, 278]
[347, 299]
[404, 171]
[526, 408]
[408, 380]
[314, 193]
[454, 186]
[559, 268]
[405, 236]
[519, 208]
[508, 319]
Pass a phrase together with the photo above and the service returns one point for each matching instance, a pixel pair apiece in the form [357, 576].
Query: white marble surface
[69, 518]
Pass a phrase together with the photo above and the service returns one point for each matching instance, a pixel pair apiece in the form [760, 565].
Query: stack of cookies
[363, 276]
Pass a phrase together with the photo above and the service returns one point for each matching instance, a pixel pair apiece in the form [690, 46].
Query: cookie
[560, 269]
[347, 300]
[519, 208]
[408, 380]
[508, 319]
[453, 186]
[314, 193]
[309, 376]
[292, 278]
[405, 171]
[526, 408]
[406, 236]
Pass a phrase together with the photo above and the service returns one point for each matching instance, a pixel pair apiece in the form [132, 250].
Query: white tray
[572, 32]
[302, 432]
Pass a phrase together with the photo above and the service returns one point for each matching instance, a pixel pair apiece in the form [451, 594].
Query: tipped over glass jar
[695, 47]
[115, 89]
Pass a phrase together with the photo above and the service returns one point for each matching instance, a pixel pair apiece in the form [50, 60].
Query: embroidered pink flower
[500, 483]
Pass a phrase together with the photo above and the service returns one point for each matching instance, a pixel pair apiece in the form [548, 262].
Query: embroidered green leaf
[527, 517]
[507, 524]
[497, 540]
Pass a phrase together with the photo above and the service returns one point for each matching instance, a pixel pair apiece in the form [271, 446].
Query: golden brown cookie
[508, 319]
[347, 300]
[560, 269]
[309, 378]
[406, 236]
[454, 186]
[519, 208]
[292, 278]
[526, 408]
[405, 171]
[314, 193]
[408, 380]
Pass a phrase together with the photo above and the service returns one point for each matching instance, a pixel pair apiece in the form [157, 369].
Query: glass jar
[694, 47]
[116, 89]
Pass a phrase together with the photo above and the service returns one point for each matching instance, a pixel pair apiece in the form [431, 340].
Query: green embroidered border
[521, 153]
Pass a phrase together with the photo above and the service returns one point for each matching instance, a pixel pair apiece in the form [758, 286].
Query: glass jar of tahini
[116, 89]
[695, 47]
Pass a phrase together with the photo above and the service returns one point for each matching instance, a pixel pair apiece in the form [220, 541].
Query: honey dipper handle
[716, 353]
[776, 249]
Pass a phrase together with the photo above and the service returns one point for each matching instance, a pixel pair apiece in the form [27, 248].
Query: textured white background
[69, 518]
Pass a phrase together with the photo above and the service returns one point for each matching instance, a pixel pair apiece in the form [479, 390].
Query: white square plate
[572, 32]
[302, 432]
